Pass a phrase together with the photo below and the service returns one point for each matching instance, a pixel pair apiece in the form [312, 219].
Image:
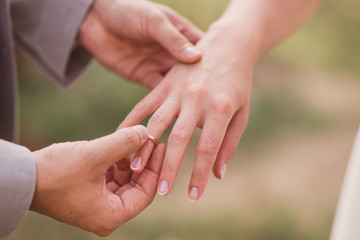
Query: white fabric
[347, 219]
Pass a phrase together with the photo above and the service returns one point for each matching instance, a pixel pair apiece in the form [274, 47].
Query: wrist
[240, 40]
[224, 46]
[42, 186]
[34, 203]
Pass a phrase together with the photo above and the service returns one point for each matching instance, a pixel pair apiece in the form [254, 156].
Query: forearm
[251, 27]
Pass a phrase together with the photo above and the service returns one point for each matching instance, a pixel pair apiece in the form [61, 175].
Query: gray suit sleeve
[47, 30]
[17, 185]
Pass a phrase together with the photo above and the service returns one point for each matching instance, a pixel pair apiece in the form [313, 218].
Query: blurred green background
[286, 176]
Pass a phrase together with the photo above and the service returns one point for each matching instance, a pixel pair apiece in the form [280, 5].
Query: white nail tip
[136, 164]
[163, 188]
[223, 170]
[193, 194]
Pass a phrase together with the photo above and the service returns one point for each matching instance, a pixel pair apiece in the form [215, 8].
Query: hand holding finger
[157, 124]
[141, 189]
[163, 31]
[116, 146]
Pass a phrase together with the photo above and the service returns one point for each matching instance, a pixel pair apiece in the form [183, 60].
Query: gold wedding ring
[153, 139]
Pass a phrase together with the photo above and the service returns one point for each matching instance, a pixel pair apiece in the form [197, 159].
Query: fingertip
[136, 164]
[217, 173]
[219, 169]
[143, 132]
[193, 194]
[147, 151]
[190, 54]
[163, 188]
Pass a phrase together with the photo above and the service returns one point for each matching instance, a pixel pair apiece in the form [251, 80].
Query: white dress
[346, 225]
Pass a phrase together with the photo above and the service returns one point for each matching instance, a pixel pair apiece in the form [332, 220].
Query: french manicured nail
[190, 52]
[136, 163]
[142, 131]
[193, 194]
[163, 188]
[223, 170]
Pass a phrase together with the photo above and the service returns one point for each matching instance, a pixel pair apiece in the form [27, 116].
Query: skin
[139, 40]
[89, 184]
[214, 93]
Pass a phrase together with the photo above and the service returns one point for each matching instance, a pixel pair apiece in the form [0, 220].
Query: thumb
[118, 145]
[167, 35]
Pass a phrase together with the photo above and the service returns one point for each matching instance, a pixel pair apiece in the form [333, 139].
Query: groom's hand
[139, 40]
[89, 184]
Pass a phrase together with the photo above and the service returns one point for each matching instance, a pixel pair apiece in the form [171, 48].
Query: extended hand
[139, 40]
[214, 95]
[89, 184]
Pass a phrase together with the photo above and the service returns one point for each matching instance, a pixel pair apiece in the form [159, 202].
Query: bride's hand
[214, 95]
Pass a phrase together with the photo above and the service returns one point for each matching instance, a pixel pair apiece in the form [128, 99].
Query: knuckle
[102, 233]
[222, 105]
[154, 20]
[199, 176]
[177, 40]
[198, 93]
[103, 229]
[208, 147]
[165, 9]
[155, 17]
[140, 106]
[130, 137]
[99, 230]
[179, 135]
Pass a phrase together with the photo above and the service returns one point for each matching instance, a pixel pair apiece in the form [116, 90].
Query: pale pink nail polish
[194, 194]
[136, 163]
[223, 170]
[163, 188]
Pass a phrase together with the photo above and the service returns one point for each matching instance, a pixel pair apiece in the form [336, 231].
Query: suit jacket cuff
[47, 30]
[17, 185]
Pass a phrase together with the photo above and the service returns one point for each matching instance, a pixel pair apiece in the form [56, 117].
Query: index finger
[145, 107]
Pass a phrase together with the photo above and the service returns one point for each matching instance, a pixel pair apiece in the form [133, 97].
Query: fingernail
[163, 188]
[223, 170]
[193, 194]
[190, 52]
[142, 131]
[136, 163]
